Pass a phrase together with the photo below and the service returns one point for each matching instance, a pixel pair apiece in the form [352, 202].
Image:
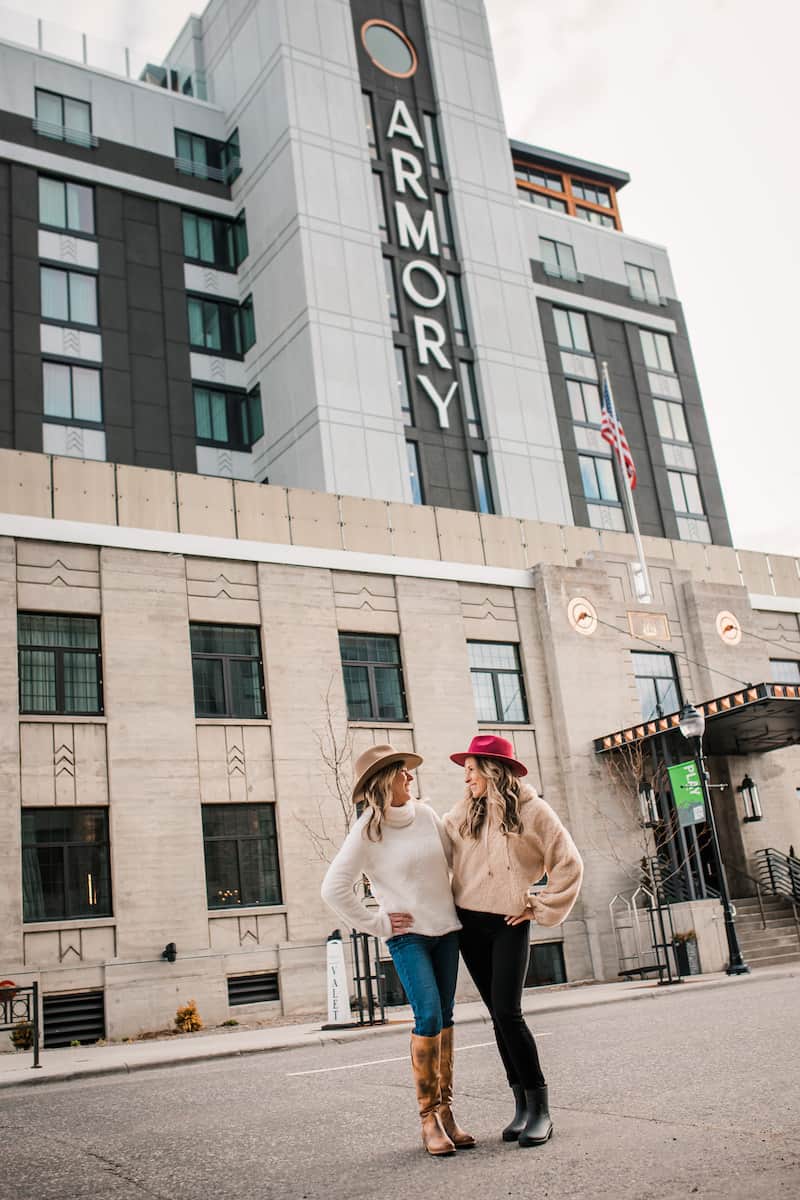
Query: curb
[533, 1006]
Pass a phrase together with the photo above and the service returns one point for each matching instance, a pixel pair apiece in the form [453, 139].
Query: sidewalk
[81, 1062]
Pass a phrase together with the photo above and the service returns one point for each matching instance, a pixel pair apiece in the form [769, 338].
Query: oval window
[389, 49]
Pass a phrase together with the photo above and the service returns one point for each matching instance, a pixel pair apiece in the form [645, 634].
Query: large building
[300, 449]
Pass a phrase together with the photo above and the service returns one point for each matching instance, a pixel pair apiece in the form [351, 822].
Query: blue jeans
[427, 967]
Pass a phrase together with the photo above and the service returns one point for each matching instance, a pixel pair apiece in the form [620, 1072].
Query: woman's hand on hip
[401, 922]
[525, 915]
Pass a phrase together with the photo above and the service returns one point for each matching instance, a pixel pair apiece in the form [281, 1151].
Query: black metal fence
[19, 1016]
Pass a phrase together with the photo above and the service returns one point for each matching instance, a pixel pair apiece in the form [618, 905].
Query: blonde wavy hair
[502, 794]
[377, 796]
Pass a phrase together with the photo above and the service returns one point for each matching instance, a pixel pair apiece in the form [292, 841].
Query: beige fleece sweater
[494, 872]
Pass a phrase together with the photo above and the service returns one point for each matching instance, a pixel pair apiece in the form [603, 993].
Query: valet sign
[423, 282]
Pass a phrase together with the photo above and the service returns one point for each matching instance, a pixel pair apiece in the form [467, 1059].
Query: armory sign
[423, 282]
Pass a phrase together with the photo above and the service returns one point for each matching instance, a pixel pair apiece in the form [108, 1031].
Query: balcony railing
[63, 133]
[225, 175]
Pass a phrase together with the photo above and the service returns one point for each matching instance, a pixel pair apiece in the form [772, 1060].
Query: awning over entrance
[752, 721]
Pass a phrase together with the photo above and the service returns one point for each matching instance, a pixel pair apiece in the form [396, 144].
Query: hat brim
[517, 768]
[411, 761]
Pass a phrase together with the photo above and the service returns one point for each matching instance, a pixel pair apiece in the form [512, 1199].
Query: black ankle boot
[538, 1127]
[517, 1124]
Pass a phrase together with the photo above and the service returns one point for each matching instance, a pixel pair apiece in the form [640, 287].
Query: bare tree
[335, 742]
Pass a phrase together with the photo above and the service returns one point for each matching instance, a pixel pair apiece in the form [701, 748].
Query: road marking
[377, 1062]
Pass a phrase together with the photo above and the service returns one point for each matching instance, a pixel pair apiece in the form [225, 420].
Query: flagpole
[641, 577]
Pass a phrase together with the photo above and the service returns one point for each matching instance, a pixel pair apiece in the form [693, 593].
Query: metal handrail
[63, 133]
[188, 166]
[752, 879]
[780, 871]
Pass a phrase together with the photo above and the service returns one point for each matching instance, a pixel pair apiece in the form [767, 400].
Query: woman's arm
[337, 888]
[563, 865]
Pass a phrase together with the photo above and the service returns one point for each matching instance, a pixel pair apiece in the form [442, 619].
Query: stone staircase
[774, 946]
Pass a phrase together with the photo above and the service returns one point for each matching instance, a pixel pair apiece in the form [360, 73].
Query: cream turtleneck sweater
[493, 873]
[407, 870]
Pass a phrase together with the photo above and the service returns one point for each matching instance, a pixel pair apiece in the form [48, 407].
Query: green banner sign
[687, 793]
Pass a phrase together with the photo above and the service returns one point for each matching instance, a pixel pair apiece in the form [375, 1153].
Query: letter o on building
[433, 273]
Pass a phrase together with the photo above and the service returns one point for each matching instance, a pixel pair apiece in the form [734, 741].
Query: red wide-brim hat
[487, 746]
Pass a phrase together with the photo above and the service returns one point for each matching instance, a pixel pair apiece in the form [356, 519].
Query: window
[391, 292]
[571, 330]
[543, 201]
[469, 391]
[240, 842]
[656, 350]
[403, 390]
[685, 493]
[207, 158]
[584, 401]
[446, 241]
[226, 665]
[221, 327]
[64, 119]
[784, 670]
[72, 393]
[369, 124]
[558, 259]
[214, 240]
[545, 965]
[497, 682]
[671, 421]
[228, 418]
[414, 473]
[59, 664]
[643, 283]
[65, 864]
[597, 476]
[433, 145]
[595, 218]
[373, 677]
[539, 178]
[482, 483]
[69, 296]
[457, 311]
[657, 684]
[591, 193]
[380, 204]
[66, 205]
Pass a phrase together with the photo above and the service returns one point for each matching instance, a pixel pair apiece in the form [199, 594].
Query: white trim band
[618, 311]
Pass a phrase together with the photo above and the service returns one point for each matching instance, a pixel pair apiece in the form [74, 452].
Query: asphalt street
[695, 1095]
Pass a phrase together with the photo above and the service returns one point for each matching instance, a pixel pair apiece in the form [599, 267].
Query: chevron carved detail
[69, 949]
[235, 761]
[69, 248]
[71, 341]
[65, 761]
[218, 369]
[245, 934]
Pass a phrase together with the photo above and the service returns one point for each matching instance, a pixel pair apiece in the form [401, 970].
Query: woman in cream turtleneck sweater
[399, 844]
[504, 839]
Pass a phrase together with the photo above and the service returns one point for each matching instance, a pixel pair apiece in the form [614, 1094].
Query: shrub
[22, 1035]
[187, 1019]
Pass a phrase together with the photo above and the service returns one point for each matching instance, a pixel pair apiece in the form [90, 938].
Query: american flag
[612, 432]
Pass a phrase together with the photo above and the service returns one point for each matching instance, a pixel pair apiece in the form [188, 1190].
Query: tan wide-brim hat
[375, 759]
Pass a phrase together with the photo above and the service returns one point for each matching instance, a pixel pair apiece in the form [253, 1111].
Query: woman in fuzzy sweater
[504, 838]
[400, 845]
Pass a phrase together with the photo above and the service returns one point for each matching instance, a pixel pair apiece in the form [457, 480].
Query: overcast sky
[698, 101]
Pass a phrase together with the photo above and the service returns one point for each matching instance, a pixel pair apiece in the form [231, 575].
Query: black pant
[496, 955]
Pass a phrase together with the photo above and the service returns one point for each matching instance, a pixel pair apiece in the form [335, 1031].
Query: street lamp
[752, 803]
[692, 725]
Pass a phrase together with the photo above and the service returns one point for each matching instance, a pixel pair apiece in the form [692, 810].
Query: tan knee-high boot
[425, 1052]
[460, 1139]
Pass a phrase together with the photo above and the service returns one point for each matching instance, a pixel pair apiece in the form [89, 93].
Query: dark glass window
[221, 327]
[671, 421]
[59, 664]
[597, 476]
[214, 240]
[369, 124]
[446, 239]
[657, 684]
[226, 665]
[241, 852]
[483, 483]
[469, 391]
[391, 292]
[66, 205]
[593, 217]
[373, 677]
[380, 204]
[584, 401]
[543, 201]
[72, 393]
[458, 313]
[497, 683]
[784, 670]
[207, 158]
[68, 296]
[63, 118]
[685, 493]
[538, 178]
[65, 864]
[414, 473]
[571, 330]
[643, 283]
[656, 350]
[403, 389]
[433, 145]
[231, 419]
[558, 259]
[545, 965]
[591, 193]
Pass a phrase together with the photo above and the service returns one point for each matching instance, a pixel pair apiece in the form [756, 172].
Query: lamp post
[692, 725]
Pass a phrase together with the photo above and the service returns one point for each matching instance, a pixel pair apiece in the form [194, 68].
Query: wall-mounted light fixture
[752, 804]
[170, 952]
[648, 805]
